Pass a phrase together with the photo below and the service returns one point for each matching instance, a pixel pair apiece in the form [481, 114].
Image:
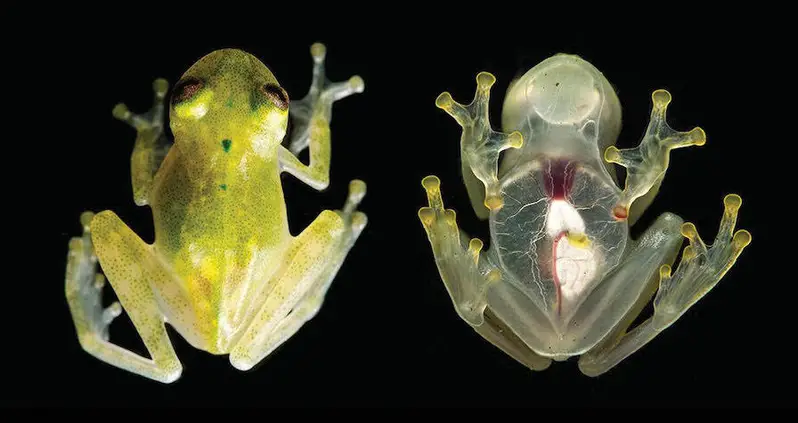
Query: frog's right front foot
[319, 99]
[480, 145]
[84, 287]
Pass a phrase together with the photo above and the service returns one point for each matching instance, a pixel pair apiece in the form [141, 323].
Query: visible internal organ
[559, 178]
[573, 263]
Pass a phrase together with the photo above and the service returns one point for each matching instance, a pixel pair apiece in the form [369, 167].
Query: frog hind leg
[699, 270]
[132, 271]
[468, 276]
[310, 266]
[152, 143]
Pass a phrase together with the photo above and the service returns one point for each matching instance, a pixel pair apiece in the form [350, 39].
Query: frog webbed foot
[700, 268]
[153, 117]
[84, 285]
[467, 278]
[152, 143]
[646, 164]
[318, 101]
[480, 145]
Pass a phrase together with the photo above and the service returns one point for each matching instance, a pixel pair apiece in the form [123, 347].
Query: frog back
[221, 231]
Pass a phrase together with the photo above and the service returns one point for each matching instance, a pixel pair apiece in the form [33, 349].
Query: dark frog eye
[276, 94]
[185, 89]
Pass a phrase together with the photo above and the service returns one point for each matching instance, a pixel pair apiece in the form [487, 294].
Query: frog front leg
[311, 118]
[152, 143]
[137, 277]
[468, 276]
[309, 266]
[646, 164]
[480, 145]
[700, 269]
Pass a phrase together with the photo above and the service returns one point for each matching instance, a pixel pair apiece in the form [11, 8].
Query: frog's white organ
[573, 266]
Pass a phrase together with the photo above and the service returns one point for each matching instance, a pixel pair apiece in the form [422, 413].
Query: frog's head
[229, 94]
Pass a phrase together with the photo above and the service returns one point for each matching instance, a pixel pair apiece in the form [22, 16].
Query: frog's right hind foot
[84, 287]
[152, 142]
[701, 267]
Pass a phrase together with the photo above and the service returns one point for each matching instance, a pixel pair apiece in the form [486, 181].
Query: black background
[387, 333]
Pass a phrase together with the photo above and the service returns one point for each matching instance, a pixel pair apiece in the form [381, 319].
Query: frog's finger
[154, 117]
[456, 110]
[647, 163]
[121, 112]
[339, 90]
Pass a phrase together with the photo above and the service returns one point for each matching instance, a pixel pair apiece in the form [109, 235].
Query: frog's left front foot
[319, 99]
[701, 268]
[647, 163]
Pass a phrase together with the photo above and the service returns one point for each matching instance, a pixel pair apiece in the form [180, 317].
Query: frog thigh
[658, 245]
[311, 264]
[135, 273]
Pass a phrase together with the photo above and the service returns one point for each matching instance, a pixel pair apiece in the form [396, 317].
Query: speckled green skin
[224, 270]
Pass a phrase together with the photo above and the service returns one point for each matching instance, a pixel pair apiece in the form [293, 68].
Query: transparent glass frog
[223, 270]
[563, 278]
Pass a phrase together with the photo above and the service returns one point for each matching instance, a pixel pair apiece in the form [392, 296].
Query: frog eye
[185, 89]
[276, 94]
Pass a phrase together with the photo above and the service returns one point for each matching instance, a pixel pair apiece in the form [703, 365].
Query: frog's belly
[225, 288]
[555, 238]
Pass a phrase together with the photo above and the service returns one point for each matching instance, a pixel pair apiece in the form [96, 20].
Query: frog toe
[356, 219]
[701, 266]
[84, 286]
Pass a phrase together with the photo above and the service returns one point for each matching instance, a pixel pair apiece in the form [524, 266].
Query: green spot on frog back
[226, 144]
[223, 187]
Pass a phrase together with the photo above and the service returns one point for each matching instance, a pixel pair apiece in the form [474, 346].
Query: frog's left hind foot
[319, 99]
[314, 259]
[152, 142]
[701, 268]
[84, 287]
[139, 280]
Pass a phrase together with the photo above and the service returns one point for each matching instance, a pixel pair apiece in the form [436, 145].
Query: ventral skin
[563, 278]
[224, 270]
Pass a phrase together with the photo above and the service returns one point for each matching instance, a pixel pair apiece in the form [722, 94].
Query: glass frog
[562, 277]
[224, 269]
